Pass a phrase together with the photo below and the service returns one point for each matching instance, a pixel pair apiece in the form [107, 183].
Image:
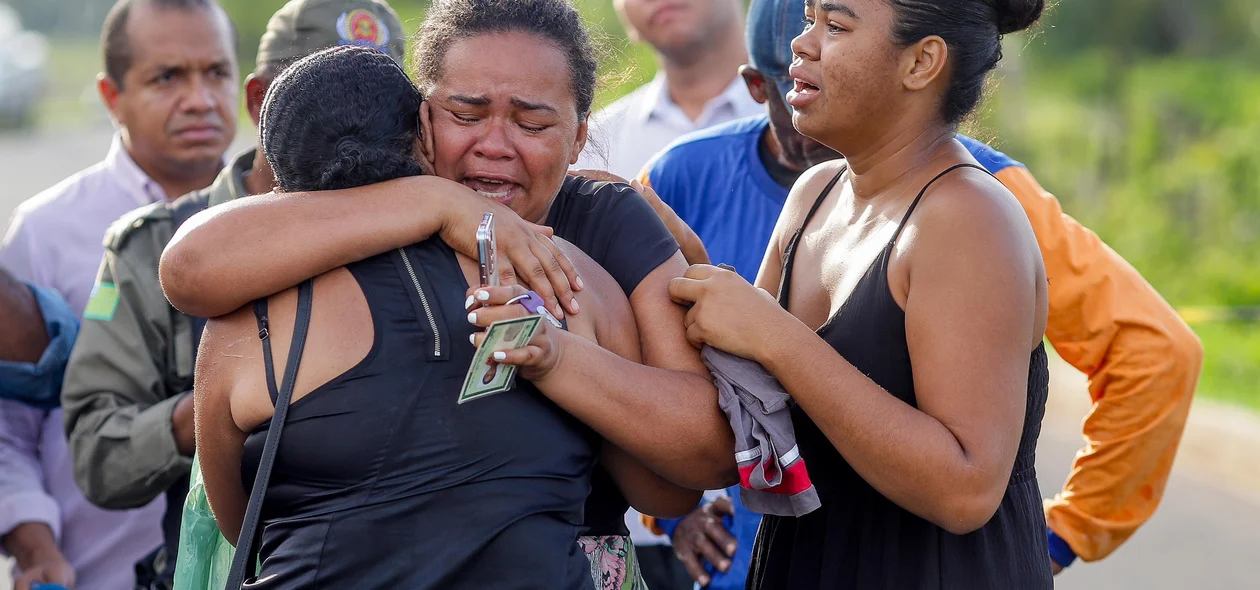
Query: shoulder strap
[821, 198]
[789, 253]
[923, 191]
[245, 546]
[187, 206]
[264, 334]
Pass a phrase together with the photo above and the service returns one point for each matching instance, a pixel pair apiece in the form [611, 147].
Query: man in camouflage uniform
[127, 393]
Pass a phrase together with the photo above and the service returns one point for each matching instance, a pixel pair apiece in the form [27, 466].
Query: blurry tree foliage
[1143, 116]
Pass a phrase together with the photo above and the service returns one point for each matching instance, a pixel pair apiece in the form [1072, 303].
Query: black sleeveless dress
[860, 539]
[383, 481]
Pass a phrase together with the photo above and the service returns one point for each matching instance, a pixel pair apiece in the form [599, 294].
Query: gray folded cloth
[772, 475]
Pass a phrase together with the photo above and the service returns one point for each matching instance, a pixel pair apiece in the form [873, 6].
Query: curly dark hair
[340, 118]
[556, 21]
[973, 31]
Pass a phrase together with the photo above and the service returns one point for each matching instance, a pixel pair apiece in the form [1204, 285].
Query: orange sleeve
[644, 176]
[650, 523]
[1143, 364]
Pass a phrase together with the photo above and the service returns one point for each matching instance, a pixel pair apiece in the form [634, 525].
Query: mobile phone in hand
[486, 253]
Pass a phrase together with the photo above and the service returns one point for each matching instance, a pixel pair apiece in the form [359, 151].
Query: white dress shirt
[55, 240]
[626, 134]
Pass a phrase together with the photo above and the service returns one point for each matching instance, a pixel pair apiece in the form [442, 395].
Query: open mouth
[802, 93]
[803, 87]
[491, 188]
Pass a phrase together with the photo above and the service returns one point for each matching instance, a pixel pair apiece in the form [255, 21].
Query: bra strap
[260, 315]
[246, 546]
[915, 203]
[789, 254]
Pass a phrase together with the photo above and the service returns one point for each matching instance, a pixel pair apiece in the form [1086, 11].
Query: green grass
[1231, 368]
[1231, 364]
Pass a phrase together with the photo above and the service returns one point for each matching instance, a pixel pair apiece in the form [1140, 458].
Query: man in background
[37, 330]
[128, 388]
[170, 87]
[169, 84]
[729, 184]
[699, 47]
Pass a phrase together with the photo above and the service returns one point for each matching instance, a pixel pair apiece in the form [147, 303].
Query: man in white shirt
[170, 84]
[699, 47]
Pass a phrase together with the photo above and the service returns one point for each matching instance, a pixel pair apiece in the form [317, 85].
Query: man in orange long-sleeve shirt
[1142, 360]
[1143, 364]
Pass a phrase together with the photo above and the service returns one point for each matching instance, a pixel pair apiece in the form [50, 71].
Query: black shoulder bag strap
[246, 552]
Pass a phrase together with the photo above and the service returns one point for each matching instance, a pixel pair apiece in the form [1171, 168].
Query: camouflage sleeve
[117, 396]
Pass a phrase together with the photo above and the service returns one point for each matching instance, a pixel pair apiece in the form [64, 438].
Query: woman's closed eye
[465, 117]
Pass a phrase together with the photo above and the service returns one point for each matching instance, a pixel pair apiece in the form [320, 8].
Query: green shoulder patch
[103, 303]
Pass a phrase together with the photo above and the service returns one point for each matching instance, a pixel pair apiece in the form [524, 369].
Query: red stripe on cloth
[795, 478]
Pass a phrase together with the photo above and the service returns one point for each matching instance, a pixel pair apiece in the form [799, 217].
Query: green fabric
[205, 557]
[103, 304]
[614, 563]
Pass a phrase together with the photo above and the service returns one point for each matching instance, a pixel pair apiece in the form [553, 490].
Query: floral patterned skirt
[614, 565]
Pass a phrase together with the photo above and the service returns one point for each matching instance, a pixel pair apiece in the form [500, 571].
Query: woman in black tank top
[502, 124]
[381, 479]
[911, 306]
[687, 439]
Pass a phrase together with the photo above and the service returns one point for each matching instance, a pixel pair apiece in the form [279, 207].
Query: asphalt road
[1204, 537]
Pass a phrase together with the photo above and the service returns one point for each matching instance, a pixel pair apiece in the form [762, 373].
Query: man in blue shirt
[729, 183]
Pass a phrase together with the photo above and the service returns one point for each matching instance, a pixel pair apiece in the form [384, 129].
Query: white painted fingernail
[472, 339]
[579, 284]
[483, 296]
[472, 318]
[468, 303]
[500, 356]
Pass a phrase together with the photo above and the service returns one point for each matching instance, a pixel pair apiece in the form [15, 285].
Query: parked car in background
[23, 62]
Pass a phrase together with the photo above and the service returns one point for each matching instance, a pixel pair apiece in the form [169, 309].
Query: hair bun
[1016, 15]
[347, 155]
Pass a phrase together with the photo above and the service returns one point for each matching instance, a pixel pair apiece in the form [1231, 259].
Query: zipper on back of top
[424, 303]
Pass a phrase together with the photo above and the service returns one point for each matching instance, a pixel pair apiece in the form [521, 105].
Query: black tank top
[860, 539]
[383, 481]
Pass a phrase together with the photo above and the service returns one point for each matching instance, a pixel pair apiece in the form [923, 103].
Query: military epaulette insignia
[127, 225]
